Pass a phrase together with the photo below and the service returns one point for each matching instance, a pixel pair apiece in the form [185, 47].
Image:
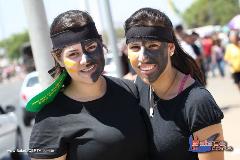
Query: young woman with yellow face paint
[93, 116]
[84, 62]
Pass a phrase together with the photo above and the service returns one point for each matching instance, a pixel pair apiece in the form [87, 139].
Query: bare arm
[204, 134]
[59, 158]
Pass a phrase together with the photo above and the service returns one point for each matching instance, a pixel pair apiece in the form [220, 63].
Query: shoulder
[51, 111]
[143, 88]
[230, 46]
[199, 94]
[201, 109]
[140, 84]
[198, 97]
[124, 84]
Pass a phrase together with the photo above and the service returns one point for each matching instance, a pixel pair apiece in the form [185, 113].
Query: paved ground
[227, 97]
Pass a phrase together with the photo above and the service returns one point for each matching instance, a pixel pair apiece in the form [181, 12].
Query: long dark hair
[65, 21]
[180, 59]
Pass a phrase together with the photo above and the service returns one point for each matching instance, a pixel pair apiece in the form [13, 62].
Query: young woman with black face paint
[170, 88]
[93, 116]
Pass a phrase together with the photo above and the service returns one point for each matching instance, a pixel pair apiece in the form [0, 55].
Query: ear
[58, 58]
[171, 48]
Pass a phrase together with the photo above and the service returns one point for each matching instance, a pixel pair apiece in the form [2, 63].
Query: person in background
[232, 56]
[217, 57]
[186, 45]
[207, 51]
[27, 57]
[179, 30]
[129, 73]
[198, 51]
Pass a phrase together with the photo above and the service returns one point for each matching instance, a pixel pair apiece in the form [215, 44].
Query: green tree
[13, 44]
[210, 12]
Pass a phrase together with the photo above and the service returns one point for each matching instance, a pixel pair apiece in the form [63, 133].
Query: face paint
[149, 64]
[158, 57]
[70, 65]
[95, 57]
[133, 56]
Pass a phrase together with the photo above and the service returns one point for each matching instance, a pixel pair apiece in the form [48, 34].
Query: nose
[85, 59]
[143, 57]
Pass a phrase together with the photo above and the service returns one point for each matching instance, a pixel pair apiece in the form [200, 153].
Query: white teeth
[147, 68]
[88, 69]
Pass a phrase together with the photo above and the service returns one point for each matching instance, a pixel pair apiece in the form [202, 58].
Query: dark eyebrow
[135, 43]
[154, 41]
[89, 43]
[72, 50]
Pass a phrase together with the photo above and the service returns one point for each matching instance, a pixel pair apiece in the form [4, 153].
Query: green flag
[46, 96]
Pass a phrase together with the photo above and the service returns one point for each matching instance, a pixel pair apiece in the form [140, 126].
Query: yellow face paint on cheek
[133, 57]
[70, 65]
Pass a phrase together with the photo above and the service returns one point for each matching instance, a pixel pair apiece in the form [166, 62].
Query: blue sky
[13, 18]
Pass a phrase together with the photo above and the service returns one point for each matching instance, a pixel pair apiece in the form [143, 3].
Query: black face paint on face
[159, 57]
[95, 57]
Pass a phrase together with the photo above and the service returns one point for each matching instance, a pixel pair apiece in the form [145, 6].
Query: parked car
[30, 87]
[10, 133]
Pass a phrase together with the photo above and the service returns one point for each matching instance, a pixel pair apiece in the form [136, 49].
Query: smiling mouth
[147, 68]
[89, 68]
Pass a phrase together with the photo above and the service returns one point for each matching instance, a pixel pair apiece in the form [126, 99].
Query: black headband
[149, 32]
[74, 35]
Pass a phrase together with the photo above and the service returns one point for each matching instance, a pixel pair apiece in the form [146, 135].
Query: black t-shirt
[109, 128]
[175, 120]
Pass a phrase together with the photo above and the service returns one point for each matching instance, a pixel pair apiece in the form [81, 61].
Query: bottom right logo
[211, 144]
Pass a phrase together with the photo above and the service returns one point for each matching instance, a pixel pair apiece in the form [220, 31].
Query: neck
[86, 92]
[165, 84]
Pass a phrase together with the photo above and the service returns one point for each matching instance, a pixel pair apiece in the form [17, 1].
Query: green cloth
[46, 96]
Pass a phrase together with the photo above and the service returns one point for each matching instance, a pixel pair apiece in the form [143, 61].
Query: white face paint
[84, 62]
